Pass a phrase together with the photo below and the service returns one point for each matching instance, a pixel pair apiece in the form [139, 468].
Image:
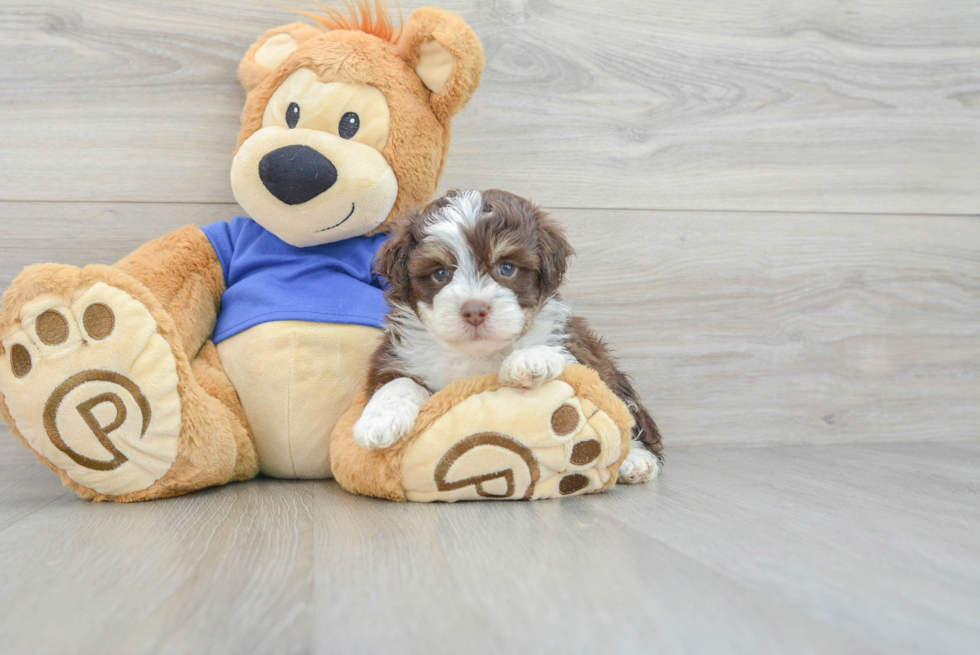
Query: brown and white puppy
[474, 281]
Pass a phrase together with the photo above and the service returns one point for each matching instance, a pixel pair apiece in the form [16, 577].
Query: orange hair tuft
[362, 18]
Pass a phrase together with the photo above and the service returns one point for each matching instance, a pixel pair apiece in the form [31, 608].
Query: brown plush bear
[210, 355]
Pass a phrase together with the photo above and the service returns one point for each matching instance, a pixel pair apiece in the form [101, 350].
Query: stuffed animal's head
[347, 125]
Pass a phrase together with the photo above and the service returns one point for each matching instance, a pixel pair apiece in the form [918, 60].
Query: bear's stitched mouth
[341, 222]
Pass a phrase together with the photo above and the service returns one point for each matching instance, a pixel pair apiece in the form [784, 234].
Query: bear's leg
[96, 375]
[210, 374]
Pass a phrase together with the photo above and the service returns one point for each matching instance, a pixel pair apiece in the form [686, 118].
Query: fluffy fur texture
[360, 17]
[474, 286]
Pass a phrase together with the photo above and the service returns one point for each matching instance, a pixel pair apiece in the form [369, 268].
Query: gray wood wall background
[775, 203]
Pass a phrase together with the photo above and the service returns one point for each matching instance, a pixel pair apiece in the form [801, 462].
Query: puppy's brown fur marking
[589, 349]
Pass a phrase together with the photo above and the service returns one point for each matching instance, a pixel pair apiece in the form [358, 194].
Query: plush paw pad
[513, 444]
[92, 386]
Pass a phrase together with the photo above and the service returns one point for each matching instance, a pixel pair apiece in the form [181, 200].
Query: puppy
[474, 281]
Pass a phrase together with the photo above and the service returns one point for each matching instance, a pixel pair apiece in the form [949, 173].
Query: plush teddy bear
[210, 355]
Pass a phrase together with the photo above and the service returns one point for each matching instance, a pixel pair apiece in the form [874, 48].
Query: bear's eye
[507, 270]
[442, 275]
[350, 123]
[292, 115]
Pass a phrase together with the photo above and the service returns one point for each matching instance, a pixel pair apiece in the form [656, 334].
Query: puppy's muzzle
[474, 312]
[296, 174]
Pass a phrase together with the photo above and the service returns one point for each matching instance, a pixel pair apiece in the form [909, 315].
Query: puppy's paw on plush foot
[390, 414]
[529, 368]
[382, 428]
[92, 386]
[639, 466]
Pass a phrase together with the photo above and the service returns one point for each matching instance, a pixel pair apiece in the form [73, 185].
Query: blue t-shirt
[269, 280]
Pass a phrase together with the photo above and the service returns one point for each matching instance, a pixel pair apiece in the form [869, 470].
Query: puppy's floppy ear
[270, 50]
[553, 249]
[445, 54]
[391, 262]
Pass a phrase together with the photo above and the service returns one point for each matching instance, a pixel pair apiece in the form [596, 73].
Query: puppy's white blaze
[639, 466]
[390, 414]
[463, 210]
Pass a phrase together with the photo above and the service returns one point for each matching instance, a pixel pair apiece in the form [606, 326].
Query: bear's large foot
[91, 386]
[95, 379]
[516, 444]
[479, 440]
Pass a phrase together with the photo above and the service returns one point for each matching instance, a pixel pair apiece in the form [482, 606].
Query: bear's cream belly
[295, 379]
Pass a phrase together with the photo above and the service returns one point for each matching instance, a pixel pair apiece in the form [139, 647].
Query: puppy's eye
[350, 123]
[507, 270]
[292, 115]
[442, 275]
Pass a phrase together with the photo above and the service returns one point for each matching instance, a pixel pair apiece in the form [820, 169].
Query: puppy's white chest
[453, 367]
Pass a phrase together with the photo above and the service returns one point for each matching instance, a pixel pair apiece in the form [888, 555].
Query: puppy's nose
[295, 174]
[474, 312]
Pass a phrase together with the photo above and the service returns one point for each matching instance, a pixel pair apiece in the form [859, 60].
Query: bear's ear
[270, 50]
[445, 54]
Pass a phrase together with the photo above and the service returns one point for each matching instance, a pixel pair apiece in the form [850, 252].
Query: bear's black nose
[295, 174]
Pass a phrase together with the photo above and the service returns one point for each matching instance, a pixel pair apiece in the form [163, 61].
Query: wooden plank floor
[864, 548]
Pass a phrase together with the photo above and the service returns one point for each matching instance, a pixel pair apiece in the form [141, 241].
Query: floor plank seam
[662, 210]
[909, 442]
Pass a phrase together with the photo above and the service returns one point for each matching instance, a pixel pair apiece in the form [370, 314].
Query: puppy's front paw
[531, 367]
[381, 429]
[390, 414]
[639, 466]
